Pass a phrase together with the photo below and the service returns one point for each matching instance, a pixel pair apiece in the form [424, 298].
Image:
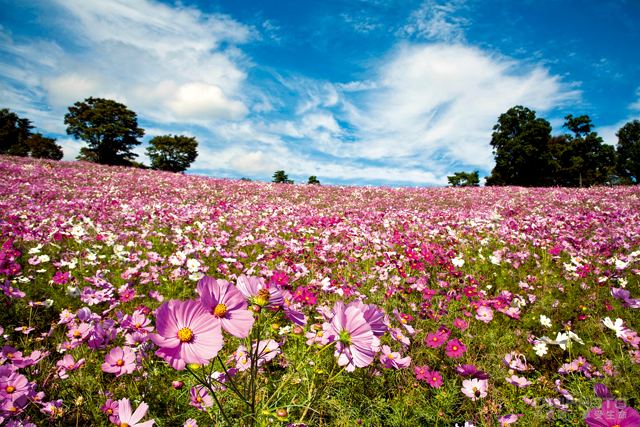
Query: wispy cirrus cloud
[437, 21]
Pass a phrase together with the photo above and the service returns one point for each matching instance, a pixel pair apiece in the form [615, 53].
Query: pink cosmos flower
[190, 423]
[455, 348]
[61, 278]
[398, 335]
[353, 334]
[436, 339]
[186, 333]
[119, 361]
[68, 364]
[129, 420]
[521, 382]
[156, 295]
[393, 360]
[14, 386]
[484, 314]
[505, 420]
[222, 300]
[110, 407]
[434, 379]
[612, 413]
[421, 372]
[475, 388]
[459, 323]
[200, 398]
[403, 319]
[290, 311]
[372, 315]
[258, 292]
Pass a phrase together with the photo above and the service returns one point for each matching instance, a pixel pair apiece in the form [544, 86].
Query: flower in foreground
[612, 413]
[119, 361]
[455, 348]
[354, 334]
[475, 388]
[434, 379]
[187, 333]
[226, 303]
[617, 326]
[505, 420]
[129, 420]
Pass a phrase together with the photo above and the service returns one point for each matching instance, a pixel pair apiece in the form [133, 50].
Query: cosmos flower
[393, 360]
[612, 413]
[354, 333]
[484, 314]
[618, 327]
[475, 388]
[131, 420]
[223, 301]
[258, 292]
[187, 333]
[434, 379]
[119, 361]
[455, 348]
[520, 382]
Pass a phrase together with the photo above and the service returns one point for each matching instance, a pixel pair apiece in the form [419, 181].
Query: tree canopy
[464, 179]
[628, 149]
[281, 178]
[16, 139]
[172, 153]
[313, 180]
[109, 129]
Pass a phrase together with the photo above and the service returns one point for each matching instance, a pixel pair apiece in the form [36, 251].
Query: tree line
[527, 155]
[110, 130]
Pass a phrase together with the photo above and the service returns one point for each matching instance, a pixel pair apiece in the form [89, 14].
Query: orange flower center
[220, 310]
[120, 362]
[185, 334]
[10, 389]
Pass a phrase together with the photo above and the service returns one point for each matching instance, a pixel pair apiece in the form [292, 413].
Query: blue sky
[379, 92]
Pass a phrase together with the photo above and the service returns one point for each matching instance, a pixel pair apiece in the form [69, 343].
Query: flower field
[137, 298]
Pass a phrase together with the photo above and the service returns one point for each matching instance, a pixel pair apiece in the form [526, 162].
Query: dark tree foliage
[582, 159]
[520, 149]
[628, 150]
[281, 178]
[44, 148]
[16, 139]
[313, 180]
[108, 127]
[172, 153]
[245, 179]
[14, 133]
[464, 179]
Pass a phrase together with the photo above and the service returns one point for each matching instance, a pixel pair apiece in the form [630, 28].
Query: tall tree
[108, 127]
[464, 179]
[172, 153]
[14, 133]
[313, 180]
[628, 150]
[520, 149]
[44, 148]
[281, 178]
[583, 158]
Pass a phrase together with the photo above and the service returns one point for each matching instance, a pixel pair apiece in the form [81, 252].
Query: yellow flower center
[137, 325]
[198, 399]
[10, 355]
[220, 310]
[10, 389]
[124, 425]
[455, 348]
[185, 334]
[434, 379]
[435, 339]
[120, 362]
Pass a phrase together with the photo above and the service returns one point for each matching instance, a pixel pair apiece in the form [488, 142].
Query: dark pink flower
[434, 379]
[187, 333]
[120, 361]
[421, 372]
[200, 398]
[436, 339]
[222, 300]
[455, 348]
[612, 413]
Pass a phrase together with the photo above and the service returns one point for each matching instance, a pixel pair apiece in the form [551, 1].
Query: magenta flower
[436, 339]
[222, 300]
[295, 316]
[200, 398]
[13, 386]
[455, 348]
[475, 388]
[61, 278]
[421, 372]
[186, 333]
[520, 382]
[470, 371]
[459, 323]
[393, 360]
[602, 391]
[129, 420]
[120, 361]
[612, 413]
[110, 407]
[354, 334]
[434, 379]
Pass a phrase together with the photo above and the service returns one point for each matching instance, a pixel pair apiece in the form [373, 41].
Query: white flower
[48, 303]
[196, 276]
[73, 291]
[193, 265]
[35, 250]
[617, 326]
[574, 337]
[545, 321]
[540, 348]
[494, 260]
[457, 261]
[43, 258]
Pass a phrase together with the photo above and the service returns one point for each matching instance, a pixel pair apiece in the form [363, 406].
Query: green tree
[628, 150]
[313, 180]
[14, 133]
[281, 178]
[520, 149]
[463, 179]
[172, 153]
[108, 127]
[42, 147]
[582, 158]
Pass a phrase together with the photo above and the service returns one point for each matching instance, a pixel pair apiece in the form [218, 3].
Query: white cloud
[201, 100]
[437, 22]
[254, 163]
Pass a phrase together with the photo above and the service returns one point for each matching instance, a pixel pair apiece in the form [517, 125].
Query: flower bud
[177, 384]
[282, 412]
[297, 330]
[255, 308]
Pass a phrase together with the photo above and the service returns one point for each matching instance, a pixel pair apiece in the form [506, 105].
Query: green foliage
[463, 179]
[44, 148]
[628, 149]
[313, 180]
[16, 139]
[245, 179]
[173, 154]
[108, 127]
[520, 148]
[281, 178]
